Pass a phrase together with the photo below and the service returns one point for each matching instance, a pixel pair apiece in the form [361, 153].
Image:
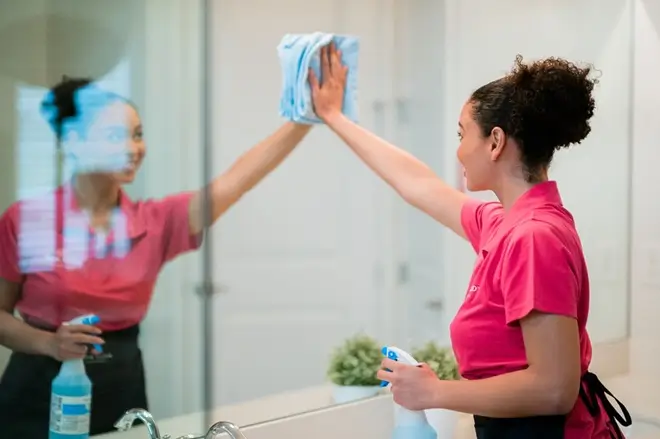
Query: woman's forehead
[118, 113]
[465, 118]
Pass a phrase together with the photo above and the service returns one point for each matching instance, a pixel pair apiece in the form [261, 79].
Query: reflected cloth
[118, 384]
[299, 52]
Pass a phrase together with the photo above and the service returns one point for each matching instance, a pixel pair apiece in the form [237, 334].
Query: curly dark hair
[545, 105]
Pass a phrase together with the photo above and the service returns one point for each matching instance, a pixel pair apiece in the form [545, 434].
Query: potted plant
[442, 361]
[353, 368]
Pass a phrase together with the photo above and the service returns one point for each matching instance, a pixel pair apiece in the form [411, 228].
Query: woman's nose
[135, 152]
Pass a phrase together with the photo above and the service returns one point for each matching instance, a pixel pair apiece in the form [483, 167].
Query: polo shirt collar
[135, 225]
[545, 193]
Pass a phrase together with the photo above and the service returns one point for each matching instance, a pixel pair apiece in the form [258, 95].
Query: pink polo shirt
[66, 270]
[527, 259]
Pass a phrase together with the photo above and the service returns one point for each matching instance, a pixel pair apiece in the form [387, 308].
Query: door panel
[296, 256]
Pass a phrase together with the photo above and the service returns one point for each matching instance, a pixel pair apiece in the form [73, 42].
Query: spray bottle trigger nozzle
[392, 356]
[89, 319]
[93, 320]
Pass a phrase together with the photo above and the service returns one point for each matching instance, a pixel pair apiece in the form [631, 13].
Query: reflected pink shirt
[529, 259]
[66, 270]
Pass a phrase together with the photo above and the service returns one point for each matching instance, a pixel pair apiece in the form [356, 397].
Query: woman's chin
[471, 186]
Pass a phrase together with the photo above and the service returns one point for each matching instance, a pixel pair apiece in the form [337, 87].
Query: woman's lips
[132, 167]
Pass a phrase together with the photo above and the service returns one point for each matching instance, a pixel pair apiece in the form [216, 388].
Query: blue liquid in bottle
[71, 395]
[71, 401]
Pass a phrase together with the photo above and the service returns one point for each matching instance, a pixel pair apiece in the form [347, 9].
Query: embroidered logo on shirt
[472, 290]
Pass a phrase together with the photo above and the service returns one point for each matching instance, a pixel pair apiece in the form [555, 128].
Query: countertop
[639, 393]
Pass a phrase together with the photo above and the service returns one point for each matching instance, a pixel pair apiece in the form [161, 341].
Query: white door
[420, 96]
[299, 256]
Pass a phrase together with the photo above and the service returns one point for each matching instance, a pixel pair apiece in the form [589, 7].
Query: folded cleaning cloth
[299, 52]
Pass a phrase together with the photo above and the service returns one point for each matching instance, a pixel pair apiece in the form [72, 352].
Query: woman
[520, 336]
[108, 251]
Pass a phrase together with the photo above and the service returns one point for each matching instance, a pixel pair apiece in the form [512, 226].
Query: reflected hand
[413, 387]
[70, 342]
[328, 92]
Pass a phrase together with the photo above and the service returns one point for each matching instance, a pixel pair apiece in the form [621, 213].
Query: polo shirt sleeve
[478, 219]
[9, 268]
[171, 215]
[538, 274]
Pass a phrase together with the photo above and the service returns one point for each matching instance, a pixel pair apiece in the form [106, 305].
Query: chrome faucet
[130, 416]
[217, 429]
[224, 427]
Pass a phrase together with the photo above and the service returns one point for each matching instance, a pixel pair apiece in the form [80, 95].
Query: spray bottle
[408, 424]
[71, 395]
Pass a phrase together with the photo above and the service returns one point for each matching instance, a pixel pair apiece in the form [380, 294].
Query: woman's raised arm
[413, 180]
[245, 173]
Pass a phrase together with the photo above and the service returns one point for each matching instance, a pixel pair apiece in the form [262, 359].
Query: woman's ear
[498, 142]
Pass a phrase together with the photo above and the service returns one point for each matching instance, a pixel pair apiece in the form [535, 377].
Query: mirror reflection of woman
[107, 255]
[520, 336]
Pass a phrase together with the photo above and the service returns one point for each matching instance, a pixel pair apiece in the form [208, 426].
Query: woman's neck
[96, 193]
[510, 188]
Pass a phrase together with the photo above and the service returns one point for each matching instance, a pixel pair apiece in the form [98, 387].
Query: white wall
[645, 347]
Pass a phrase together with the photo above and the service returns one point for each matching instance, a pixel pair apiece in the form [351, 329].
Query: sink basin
[643, 428]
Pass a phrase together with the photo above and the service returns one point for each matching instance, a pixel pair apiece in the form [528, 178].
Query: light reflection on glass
[44, 240]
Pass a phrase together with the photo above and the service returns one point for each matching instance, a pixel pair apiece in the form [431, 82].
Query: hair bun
[59, 104]
[554, 97]
[523, 77]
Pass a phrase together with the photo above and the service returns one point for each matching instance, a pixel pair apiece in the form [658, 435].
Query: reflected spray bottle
[71, 395]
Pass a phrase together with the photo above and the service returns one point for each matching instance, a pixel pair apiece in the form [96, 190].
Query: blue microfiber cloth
[299, 52]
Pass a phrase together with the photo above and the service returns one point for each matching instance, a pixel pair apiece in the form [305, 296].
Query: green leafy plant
[356, 362]
[441, 360]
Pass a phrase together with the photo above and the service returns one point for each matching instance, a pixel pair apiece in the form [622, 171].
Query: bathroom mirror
[340, 255]
[322, 251]
[300, 261]
[149, 54]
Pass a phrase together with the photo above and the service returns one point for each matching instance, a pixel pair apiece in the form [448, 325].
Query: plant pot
[344, 394]
[443, 422]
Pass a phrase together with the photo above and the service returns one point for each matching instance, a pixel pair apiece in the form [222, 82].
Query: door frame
[172, 61]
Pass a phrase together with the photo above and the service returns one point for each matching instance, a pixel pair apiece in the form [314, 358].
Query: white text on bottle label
[70, 414]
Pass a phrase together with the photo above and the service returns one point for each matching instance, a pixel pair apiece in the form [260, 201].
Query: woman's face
[114, 145]
[474, 152]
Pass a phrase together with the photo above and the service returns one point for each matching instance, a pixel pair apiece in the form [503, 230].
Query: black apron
[118, 384]
[592, 391]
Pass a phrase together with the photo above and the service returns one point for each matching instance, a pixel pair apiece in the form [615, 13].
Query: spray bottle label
[70, 414]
